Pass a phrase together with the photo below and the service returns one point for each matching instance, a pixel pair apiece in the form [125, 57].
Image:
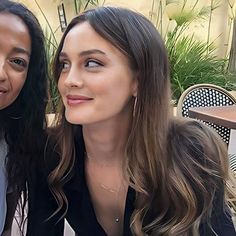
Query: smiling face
[96, 82]
[15, 49]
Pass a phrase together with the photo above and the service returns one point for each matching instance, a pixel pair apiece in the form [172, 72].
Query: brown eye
[92, 64]
[64, 65]
[19, 62]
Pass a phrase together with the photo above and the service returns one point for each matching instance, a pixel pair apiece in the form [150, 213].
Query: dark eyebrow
[85, 53]
[21, 50]
[92, 51]
[62, 54]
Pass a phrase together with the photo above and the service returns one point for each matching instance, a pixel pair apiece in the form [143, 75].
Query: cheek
[17, 79]
[16, 86]
[114, 92]
[60, 85]
[120, 88]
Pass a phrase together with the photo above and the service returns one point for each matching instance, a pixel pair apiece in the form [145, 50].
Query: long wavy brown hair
[175, 166]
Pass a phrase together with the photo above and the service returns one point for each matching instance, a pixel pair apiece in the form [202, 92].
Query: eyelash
[95, 63]
[19, 62]
[86, 64]
[62, 64]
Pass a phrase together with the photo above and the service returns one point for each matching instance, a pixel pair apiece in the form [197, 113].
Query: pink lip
[77, 99]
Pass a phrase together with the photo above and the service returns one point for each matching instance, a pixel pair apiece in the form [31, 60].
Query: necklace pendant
[117, 220]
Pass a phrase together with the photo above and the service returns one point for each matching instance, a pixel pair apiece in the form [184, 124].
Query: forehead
[84, 36]
[81, 29]
[14, 31]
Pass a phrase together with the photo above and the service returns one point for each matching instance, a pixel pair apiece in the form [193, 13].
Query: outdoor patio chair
[202, 95]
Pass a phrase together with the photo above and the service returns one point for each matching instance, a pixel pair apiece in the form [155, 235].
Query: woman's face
[15, 49]
[96, 82]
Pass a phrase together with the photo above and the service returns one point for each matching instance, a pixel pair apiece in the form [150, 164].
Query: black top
[81, 215]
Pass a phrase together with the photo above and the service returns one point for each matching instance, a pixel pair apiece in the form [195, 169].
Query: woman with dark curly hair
[23, 97]
[123, 165]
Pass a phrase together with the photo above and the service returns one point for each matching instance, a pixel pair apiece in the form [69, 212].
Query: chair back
[204, 95]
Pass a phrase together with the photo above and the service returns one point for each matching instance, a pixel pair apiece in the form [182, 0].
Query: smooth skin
[96, 82]
[98, 88]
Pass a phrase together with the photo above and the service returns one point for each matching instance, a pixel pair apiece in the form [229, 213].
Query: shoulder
[47, 159]
[51, 155]
[221, 223]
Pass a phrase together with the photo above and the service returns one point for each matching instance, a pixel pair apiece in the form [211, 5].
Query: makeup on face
[96, 82]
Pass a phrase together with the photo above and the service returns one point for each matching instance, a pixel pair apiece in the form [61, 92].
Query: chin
[74, 118]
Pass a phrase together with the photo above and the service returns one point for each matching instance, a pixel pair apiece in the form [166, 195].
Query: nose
[3, 73]
[73, 78]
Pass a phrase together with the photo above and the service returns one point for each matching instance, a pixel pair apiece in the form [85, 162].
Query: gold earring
[135, 103]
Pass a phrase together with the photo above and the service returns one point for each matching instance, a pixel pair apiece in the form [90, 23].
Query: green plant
[51, 47]
[193, 62]
[81, 5]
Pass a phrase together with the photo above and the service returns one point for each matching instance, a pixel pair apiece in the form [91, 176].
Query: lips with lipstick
[77, 99]
[3, 90]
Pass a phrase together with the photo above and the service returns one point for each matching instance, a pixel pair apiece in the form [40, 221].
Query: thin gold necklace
[107, 188]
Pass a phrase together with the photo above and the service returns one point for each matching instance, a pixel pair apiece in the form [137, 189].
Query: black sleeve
[221, 220]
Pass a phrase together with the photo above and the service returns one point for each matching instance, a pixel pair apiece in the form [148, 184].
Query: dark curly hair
[23, 121]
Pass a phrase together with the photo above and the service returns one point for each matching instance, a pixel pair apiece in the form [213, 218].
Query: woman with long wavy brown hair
[119, 163]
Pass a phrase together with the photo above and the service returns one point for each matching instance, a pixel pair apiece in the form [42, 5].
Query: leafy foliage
[51, 47]
[81, 5]
[193, 62]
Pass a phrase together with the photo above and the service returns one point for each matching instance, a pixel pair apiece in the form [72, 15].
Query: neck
[107, 142]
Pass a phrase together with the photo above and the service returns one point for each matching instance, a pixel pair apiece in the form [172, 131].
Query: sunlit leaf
[204, 12]
[171, 1]
[193, 62]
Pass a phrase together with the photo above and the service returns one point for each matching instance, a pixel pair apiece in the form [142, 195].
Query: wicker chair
[202, 95]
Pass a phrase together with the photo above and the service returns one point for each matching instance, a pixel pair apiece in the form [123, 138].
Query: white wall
[219, 28]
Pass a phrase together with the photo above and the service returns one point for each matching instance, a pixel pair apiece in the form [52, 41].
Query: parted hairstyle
[23, 121]
[176, 167]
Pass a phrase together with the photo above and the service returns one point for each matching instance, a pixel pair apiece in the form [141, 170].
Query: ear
[135, 87]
